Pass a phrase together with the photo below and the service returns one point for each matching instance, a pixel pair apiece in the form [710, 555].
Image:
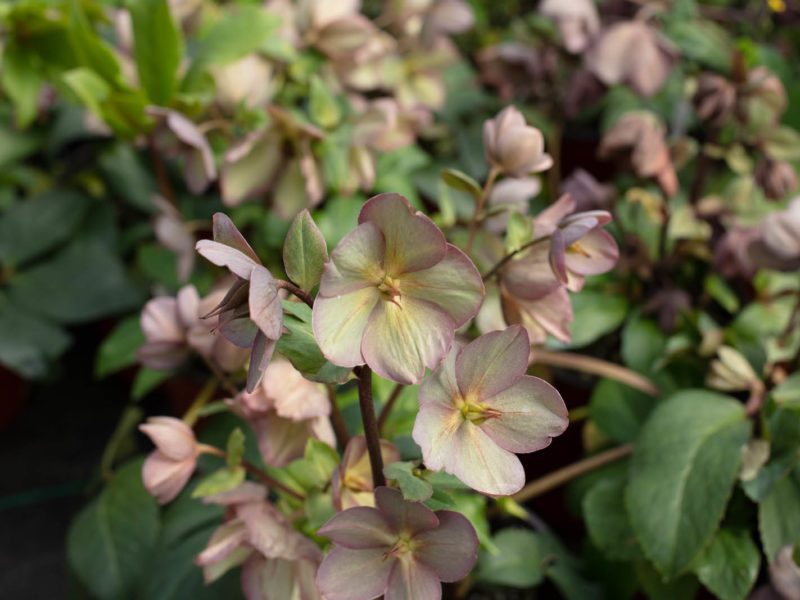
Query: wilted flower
[512, 146]
[634, 53]
[351, 483]
[479, 408]
[715, 99]
[578, 21]
[172, 463]
[776, 177]
[178, 136]
[400, 549]
[393, 293]
[250, 315]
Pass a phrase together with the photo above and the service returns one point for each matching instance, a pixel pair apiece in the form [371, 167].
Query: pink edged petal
[404, 516]
[263, 347]
[225, 539]
[490, 317]
[404, 336]
[294, 396]
[160, 321]
[413, 241]
[551, 314]
[412, 580]
[597, 252]
[247, 491]
[450, 550]
[453, 284]
[339, 322]
[492, 362]
[171, 436]
[162, 356]
[531, 276]
[239, 331]
[558, 256]
[279, 579]
[354, 574]
[358, 529]
[355, 263]
[547, 220]
[280, 440]
[188, 306]
[214, 571]
[225, 232]
[533, 413]
[224, 256]
[441, 386]
[265, 305]
[272, 536]
[164, 478]
[450, 442]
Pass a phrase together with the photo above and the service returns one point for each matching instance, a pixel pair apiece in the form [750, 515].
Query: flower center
[578, 249]
[477, 412]
[389, 288]
[402, 546]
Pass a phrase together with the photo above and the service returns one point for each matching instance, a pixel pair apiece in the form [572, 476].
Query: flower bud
[776, 177]
[513, 146]
[715, 99]
[170, 466]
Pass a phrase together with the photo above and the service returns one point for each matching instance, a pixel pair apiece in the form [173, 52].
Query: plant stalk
[292, 288]
[371, 434]
[337, 420]
[473, 225]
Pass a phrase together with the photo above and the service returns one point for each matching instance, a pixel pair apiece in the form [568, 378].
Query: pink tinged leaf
[265, 305]
[263, 347]
[358, 529]
[357, 262]
[214, 571]
[531, 276]
[174, 438]
[412, 580]
[404, 516]
[532, 413]
[225, 232]
[162, 356]
[598, 253]
[462, 449]
[451, 549]
[442, 386]
[404, 336]
[164, 478]
[339, 323]
[492, 362]
[239, 331]
[413, 241]
[160, 321]
[294, 396]
[354, 574]
[222, 542]
[453, 284]
[222, 255]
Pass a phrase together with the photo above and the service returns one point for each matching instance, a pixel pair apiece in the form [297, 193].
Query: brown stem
[223, 379]
[364, 374]
[562, 476]
[337, 420]
[289, 286]
[595, 366]
[161, 173]
[473, 226]
[387, 408]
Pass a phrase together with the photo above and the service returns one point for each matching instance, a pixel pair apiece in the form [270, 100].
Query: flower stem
[337, 420]
[473, 225]
[191, 415]
[290, 287]
[595, 366]
[562, 476]
[371, 434]
[223, 379]
[387, 408]
[161, 173]
[509, 256]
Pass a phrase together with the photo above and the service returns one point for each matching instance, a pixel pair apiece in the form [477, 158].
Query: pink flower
[351, 483]
[170, 466]
[479, 408]
[393, 293]
[400, 549]
[514, 147]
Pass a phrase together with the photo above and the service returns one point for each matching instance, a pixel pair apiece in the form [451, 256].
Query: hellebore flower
[776, 177]
[351, 483]
[393, 293]
[588, 193]
[715, 99]
[479, 408]
[578, 21]
[779, 245]
[512, 146]
[172, 463]
[400, 550]
[250, 315]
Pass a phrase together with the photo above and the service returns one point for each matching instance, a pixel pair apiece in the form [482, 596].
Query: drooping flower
[351, 483]
[715, 99]
[172, 463]
[577, 20]
[393, 293]
[479, 408]
[399, 549]
[514, 147]
[250, 315]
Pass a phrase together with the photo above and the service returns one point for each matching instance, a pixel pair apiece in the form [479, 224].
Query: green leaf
[219, 481]
[316, 467]
[413, 487]
[787, 394]
[643, 344]
[779, 517]
[461, 182]
[607, 520]
[147, 380]
[721, 292]
[657, 588]
[518, 232]
[323, 105]
[110, 543]
[779, 465]
[783, 143]
[158, 48]
[92, 52]
[22, 82]
[16, 145]
[29, 344]
[118, 350]
[596, 314]
[235, 448]
[238, 33]
[304, 252]
[730, 564]
[682, 473]
[516, 563]
[702, 41]
[32, 227]
[618, 410]
[319, 508]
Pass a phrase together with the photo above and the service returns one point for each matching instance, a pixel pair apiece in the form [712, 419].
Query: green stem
[473, 226]
[191, 416]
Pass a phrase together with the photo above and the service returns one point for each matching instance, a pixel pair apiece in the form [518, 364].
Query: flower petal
[339, 322]
[160, 321]
[225, 539]
[404, 516]
[162, 356]
[279, 579]
[413, 241]
[263, 347]
[164, 478]
[531, 275]
[272, 536]
[412, 580]
[265, 305]
[354, 574]
[404, 336]
[171, 436]
[595, 253]
[451, 549]
[239, 331]
[454, 444]
[492, 362]
[441, 386]
[453, 283]
[550, 314]
[224, 256]
[533, 413]
[355, 263]
[359, 528]
[294, 396]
